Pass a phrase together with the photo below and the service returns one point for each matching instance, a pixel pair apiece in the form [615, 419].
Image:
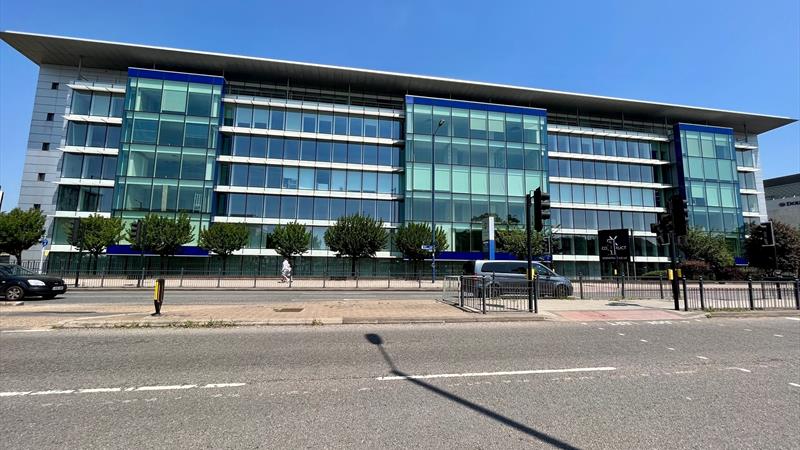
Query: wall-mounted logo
[792, 203]
[614, 245]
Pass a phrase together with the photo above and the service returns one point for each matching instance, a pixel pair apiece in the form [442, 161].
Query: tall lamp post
[433, 198]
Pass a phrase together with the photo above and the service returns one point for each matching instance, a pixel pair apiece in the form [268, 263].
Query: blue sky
[732, 54]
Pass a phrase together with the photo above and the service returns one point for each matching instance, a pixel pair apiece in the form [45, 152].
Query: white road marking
[794, 384]
[67, 391]
[702, 357]
[34, 330]
[621, 334]
[737, 368]
[166, 388]
[643, 340]
[670, 348]
[778, 335]
[689, 398]
[600, 328]
[493, 374]
[13, 394]
[222, 385]
[747, 329]
[94, 390]
[793, 318]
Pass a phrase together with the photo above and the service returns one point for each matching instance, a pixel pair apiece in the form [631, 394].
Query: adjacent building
[127, 130]
[783, 199]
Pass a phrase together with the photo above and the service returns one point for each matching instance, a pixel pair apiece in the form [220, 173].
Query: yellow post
[680, 275]
[533, 274]
[669, 274]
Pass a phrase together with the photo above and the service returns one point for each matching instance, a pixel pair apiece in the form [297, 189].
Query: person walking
[286, 271]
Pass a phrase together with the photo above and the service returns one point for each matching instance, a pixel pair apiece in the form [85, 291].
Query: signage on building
[614, 245]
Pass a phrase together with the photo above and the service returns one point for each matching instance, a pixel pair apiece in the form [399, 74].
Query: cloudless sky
[729, 54]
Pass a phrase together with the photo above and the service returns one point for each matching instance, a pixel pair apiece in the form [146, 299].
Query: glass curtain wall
[168, 146]
[480, 161]
[707, 176]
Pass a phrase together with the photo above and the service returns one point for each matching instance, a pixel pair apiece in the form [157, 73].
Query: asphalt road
[214, 297]
[718, 383]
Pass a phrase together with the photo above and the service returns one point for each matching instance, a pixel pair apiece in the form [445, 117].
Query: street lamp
[433, 197]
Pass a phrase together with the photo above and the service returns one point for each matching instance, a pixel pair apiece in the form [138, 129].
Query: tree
[411, 237]
[704, 246]
[514, 241]
[19, 230]
[162, 235]
[356, 237]
[787, 240]
[290, 240]
[96, 234]
[223, 239]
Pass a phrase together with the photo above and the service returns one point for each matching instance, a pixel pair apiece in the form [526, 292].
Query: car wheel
[561, 292]
[14, 293]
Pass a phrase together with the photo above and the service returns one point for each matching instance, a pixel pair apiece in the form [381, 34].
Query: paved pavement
[727, 383]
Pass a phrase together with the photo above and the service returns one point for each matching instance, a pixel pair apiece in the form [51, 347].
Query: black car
[17, 283]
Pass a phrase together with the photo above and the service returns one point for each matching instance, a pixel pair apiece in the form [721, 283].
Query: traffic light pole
[673, 266]
[529, 250]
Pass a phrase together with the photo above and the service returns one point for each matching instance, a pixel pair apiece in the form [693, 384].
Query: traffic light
[136, 231]
[541, 208]
[75, 231]
[679, 210]
[662, 236]
[767, 234]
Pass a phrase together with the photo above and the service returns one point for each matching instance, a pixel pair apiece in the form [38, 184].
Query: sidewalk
[41, 315]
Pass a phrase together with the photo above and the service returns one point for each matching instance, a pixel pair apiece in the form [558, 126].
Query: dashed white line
[601, 328]
[643, 340]
[67, 391]
[671, 349]
[737, 368]
[794, 384]
[118, 389]
[702, 357]
[35, 330]
[492, 374]
[778, 335]
[13, 394]
[621, 334]
[793, 318]
[95, 390]
[222, 385]
[747, 329]
[166, 388]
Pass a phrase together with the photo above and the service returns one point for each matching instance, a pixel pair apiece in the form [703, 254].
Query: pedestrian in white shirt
[286, 271]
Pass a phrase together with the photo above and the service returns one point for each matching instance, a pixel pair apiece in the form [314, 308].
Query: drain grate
[288, 309]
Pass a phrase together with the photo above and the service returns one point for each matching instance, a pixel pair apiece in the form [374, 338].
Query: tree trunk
[224, 263]
[353, 267]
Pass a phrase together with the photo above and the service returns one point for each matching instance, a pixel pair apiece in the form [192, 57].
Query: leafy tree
[96, 234]
[704, 246]
[19, 230]
[411, 237]
[514, 241]
[162, 235]
[290, 240]
[223, 239]
[356, 237]
[787, 239]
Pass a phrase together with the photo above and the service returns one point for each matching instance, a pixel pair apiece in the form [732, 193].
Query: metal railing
[750, 295]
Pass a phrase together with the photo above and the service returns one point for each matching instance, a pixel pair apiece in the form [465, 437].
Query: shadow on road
[376, 340]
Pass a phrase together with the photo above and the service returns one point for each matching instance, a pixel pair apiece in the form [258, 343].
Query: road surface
[720, 383]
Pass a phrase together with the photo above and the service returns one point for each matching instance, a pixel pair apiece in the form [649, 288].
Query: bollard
[685, 296]
[778, 287]
[661, 286]
[580, 283]
[158, 296]
[181, 283]
[461, 291]
[536, 293]
[483, 295]
[702, 300]
[750, 293]
[623, 286]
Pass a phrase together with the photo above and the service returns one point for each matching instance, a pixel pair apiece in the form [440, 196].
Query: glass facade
[707, 177]
[466, 161]
[168, 146]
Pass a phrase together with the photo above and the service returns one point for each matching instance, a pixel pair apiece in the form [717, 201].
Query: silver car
[505, 277]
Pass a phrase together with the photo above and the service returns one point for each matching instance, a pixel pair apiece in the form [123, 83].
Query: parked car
[17, 283]
[506, 277]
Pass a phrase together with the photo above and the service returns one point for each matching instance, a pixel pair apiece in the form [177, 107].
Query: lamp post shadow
[376, 340]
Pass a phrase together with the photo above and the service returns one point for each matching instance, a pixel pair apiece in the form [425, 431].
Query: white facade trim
[751, 214]
[595, 258]
[305, 135]
[594, 231]
[313, 106]
[89, 150]
[93, 119]
[745, 146]
[97, 88]
[77, 214]
[652, 209]
[327, 253]
[86, 182]
[604, 132]
[623, 159]
[609, 182]
[749, 191]
[307, 193]
[314, 164]
[746, 169]
[274, 221]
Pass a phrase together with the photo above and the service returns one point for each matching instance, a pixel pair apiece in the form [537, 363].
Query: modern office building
[783, 199]
[127, 130]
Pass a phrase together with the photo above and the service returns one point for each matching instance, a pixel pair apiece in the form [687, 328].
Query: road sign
[44, 243]
[614, 245]
[427, 248]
